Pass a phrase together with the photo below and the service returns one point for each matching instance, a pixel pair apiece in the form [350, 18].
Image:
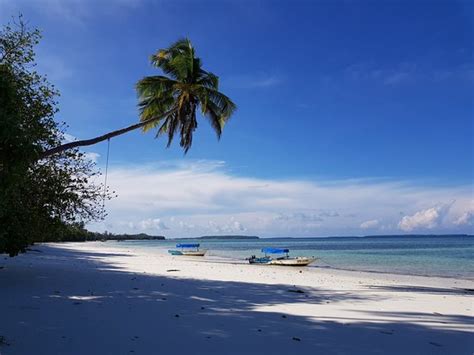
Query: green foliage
[75, 232]
[176, 97]
[39, 199]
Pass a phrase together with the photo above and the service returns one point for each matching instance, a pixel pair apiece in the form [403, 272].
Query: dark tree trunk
[86, 142]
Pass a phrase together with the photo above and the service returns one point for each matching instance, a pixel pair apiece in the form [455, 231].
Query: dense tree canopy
[40, 199]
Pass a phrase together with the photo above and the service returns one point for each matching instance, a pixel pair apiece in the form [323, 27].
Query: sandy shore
[95, 298]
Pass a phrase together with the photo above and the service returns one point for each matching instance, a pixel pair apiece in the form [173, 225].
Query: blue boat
[281, 260]
[188, 250]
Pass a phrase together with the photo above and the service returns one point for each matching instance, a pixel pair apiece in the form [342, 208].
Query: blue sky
[354, 117]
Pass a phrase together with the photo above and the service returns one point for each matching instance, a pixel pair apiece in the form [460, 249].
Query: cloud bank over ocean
[191, 198]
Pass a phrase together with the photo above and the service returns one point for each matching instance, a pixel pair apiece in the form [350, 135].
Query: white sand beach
[95, 298]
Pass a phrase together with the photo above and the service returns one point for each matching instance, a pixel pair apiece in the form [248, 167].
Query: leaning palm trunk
[92, 141]
[170, 103]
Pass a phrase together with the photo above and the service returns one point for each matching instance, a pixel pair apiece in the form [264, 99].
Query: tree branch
[86, 142]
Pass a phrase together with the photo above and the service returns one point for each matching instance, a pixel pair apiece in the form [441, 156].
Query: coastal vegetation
[39, 198]
[76, 232]
[46, 187]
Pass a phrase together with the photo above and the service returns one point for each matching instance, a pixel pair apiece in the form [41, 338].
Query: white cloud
[424, 219]
[69, 138]
[155, 223]
[259, 80]
[231, 227]
[202, 197]
[75, 12]
[92, 156]
[185, 225]
[467, 218]
[397, 78]
[369, 71]
[299, 216]
[406, 73]
[54, 67]
[369, 224]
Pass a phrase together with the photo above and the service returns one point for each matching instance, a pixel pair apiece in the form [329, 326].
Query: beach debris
[283, 316]
[164, 298]
[296, 339]
[136, 288]
[259, 330]
[437, 314]
[203, 308]
[176, 315]
[435, 344]
[172, 270]
[386, 332]
[76, 303]
[296, 291]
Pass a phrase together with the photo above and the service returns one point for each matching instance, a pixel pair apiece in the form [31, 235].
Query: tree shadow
[434, 317]
[424, 289]
[82, 304]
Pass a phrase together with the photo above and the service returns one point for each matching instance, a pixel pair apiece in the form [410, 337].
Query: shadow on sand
[424, 289]
[91, 307]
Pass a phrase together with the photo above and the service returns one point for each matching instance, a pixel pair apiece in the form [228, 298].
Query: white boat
[284, 260]
[298, 261]
[200, 252]
[188, 250]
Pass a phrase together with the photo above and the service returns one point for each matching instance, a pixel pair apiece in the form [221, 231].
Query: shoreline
[234, 260]
[67, 296]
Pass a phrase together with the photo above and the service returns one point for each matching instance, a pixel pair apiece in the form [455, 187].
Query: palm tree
[170, 103]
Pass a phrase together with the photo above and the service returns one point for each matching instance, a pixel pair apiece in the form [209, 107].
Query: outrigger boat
[283, 260]
[188, 250]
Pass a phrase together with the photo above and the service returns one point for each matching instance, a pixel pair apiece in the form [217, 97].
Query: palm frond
[176, 60]
[208, 80]
[185, 87]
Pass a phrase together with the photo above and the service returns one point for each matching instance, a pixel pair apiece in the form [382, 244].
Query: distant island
[140, 236]
[416, 235]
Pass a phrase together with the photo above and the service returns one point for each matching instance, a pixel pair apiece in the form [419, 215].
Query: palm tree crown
[174, 99]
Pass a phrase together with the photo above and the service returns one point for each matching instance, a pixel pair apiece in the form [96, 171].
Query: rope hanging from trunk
[105, 178]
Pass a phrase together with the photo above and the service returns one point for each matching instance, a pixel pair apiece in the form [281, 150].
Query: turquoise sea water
[447, 256]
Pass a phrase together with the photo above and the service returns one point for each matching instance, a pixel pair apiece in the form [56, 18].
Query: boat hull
[175, 252]
[298, 261]
[201, 252]
[194, 252]
[260, 261]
